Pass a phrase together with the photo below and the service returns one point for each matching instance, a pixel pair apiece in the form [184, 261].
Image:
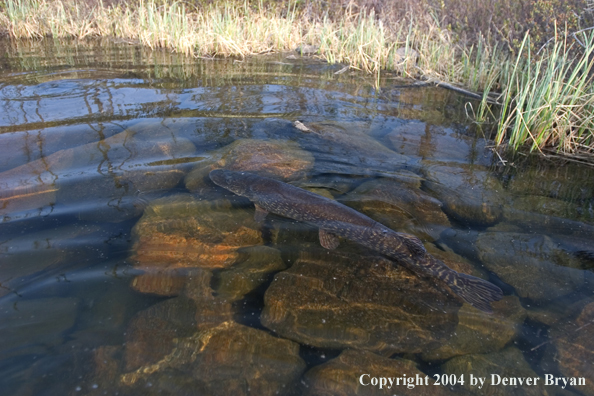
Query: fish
[334, 220]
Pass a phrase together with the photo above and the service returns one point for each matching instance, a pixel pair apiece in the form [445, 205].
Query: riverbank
[544, 93]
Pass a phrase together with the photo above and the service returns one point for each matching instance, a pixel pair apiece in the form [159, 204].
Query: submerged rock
[278, 159]
[27, 147]
[107, 172]
[437, 143]
[570, 182]
[346, 149]
[168, 282]
[182, 232]
[532, 264]
[342, 375]
[468, 194]
[400, 206]
[229, 359]
[573, 348]
[237, 281]
[151, 333]
[212, 310]
[478, 332]
[529, 220]
[509, 363]
[339, 300]
[553, 207]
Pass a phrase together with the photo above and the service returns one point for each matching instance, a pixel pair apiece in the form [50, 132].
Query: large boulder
[242, 278]
[229, 359]
[469, 194]
[278, 159]
[180, 232]
[349, 150]
[438, 143]
[400, 205]
[532, 264]
[152, 333]
[341, 300]
[478, 332]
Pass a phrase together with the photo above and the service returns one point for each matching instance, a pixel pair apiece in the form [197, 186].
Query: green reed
[549, 102]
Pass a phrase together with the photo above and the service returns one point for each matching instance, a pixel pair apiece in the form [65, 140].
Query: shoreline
[538, 100]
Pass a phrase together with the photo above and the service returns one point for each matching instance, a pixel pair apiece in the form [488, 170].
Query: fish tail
[476, 291]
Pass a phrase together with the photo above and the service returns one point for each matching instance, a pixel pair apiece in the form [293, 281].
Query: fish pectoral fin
[328, 240]
[413, 244]
[260, 214]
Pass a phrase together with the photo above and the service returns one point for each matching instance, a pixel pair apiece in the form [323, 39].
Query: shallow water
[124, 270]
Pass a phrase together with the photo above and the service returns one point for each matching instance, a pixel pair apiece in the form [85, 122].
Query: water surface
[124, 270]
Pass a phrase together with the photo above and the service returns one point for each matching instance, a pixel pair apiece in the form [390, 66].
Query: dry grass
[359, 38]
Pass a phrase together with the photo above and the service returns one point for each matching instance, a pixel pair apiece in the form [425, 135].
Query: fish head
[236, 182]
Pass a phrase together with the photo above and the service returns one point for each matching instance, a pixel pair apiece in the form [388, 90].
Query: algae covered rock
[180, 232]
[151, 333]
[237, 281]
[229, 359]
[340, 300]
[400, 206]
[469, 194]
[573, 348]
[211, 309]
[351, 372]
[478, 332]
[278, 159]
[493, 367]
[532, 264]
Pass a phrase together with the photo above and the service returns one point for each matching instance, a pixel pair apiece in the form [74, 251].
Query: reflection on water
[125, 270]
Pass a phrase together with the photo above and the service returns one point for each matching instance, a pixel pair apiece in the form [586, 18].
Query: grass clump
[549, 102]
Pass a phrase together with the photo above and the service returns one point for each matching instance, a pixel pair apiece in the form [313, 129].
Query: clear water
[124, 271]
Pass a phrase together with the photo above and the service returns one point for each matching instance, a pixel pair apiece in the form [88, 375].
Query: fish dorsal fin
[328, 240]
[413, 244]
[260, 214]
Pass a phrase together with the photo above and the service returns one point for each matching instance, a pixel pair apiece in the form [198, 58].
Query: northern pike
[335, 219]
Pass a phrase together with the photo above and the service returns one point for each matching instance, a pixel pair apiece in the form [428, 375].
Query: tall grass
[549, 102]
